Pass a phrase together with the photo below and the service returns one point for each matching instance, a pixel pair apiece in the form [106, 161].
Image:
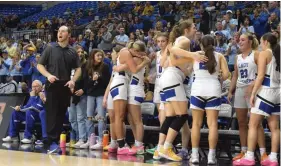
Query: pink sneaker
[112, 149]
[244, 161]
[123, 151]
[132, 151]
[268, 162]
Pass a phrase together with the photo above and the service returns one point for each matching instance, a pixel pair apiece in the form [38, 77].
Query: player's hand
[229, 97]
[252, 100]
[199, 56]
[80, 92]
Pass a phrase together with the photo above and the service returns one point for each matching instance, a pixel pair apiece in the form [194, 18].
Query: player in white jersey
[172, 85]
[161, 64]
[265, 101]
[206, 96]
[119, 89]
[243, 77]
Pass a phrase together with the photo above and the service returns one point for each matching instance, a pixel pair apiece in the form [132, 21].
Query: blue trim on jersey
[197, 102]
[139, 99]
[135, 81]
[114, 92]
[202, 66]
[162, 96]
[266, 81]
[276, 108]
[214, 102]
[169, 93]
[265, 107]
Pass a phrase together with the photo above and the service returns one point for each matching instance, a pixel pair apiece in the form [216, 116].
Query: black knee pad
[166, 124]
[179, 122]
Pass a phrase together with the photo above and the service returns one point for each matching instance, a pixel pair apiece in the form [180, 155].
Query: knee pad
[166, 124]
[179, 122]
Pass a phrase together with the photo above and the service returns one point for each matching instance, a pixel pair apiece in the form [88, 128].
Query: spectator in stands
[148, 7]
[3, 44]
[229, 23]
[81, 42]
[259, 20]
[122, 39]
[273, 8]
[136, 8]
[196, 44]
[106, 39]
[204, 23]
[30, 113]
[78, 107]
[10, 86]
[232, 51]
[5, 63]
[138, 24]
[96, 78]
[35, 74]
[247, 26]
[139, 34]
[15, 68]
[133, 37]
[11, 49]
[26, 62]
[40, 46]
[238, 16]
[272, 22]
[220, 44]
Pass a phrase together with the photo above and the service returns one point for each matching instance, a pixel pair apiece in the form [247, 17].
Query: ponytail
[275, 47]
[175, 33]
[255, 43]
[208, 46]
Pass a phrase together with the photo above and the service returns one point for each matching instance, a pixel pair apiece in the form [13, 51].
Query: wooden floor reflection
[19, 158]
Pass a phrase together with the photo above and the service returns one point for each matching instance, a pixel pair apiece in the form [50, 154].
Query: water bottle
[92, 139]
[19, 88]
[63, 140]
[105, 138]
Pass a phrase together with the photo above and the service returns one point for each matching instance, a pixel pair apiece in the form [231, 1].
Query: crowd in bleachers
[116, 25]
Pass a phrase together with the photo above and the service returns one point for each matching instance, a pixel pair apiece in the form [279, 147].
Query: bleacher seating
[59, 10]
[20, 10]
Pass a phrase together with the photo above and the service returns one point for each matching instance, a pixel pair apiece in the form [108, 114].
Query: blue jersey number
[160, 69]
[244, 73]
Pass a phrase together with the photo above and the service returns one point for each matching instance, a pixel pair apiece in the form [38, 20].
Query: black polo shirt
[59, 61]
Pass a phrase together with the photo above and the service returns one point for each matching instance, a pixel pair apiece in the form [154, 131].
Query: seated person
[10, 86]
[30, 116]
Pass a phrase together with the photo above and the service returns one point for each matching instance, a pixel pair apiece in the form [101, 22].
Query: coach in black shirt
[56, 63]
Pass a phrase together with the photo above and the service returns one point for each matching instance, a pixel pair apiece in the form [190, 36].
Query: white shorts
[267, 102]
[109, 104]
[172, 84]
[134, 100]
[205, 103]
[158, 95]
[239, 98]
[119, 89]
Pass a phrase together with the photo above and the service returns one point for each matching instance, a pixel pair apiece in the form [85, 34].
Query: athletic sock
[167, 145]
[250, 155]
[262, 151]
[194, 150]
[159, 147]
[273, 156]
[138, 143]
[212, 152]
[244, 149]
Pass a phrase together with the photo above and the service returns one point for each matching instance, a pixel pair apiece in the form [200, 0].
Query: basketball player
[207, 98]
[265, 101]
[244, 74]
[173, 89]
[119, 90]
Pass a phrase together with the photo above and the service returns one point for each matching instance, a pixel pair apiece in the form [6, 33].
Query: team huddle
[196, 77]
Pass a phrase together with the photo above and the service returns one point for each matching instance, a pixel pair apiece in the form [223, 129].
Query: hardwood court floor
[15, 154]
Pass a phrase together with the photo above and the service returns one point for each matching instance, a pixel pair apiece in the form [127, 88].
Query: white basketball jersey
[247, 69]
[206, 84]
[136, 87]
[159, 68]
[120, 75]
[272, 76]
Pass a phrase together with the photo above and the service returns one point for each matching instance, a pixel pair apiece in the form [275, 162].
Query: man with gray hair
[32, 112]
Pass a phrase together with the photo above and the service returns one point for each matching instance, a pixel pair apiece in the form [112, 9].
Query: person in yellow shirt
[148, 7]
[11, 49]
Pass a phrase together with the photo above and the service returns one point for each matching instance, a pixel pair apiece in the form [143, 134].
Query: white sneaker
[78, 144]
[194, 158]
[97, 146]
[212, 160]
[85, 145]
[10, 139]
[26, 141]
